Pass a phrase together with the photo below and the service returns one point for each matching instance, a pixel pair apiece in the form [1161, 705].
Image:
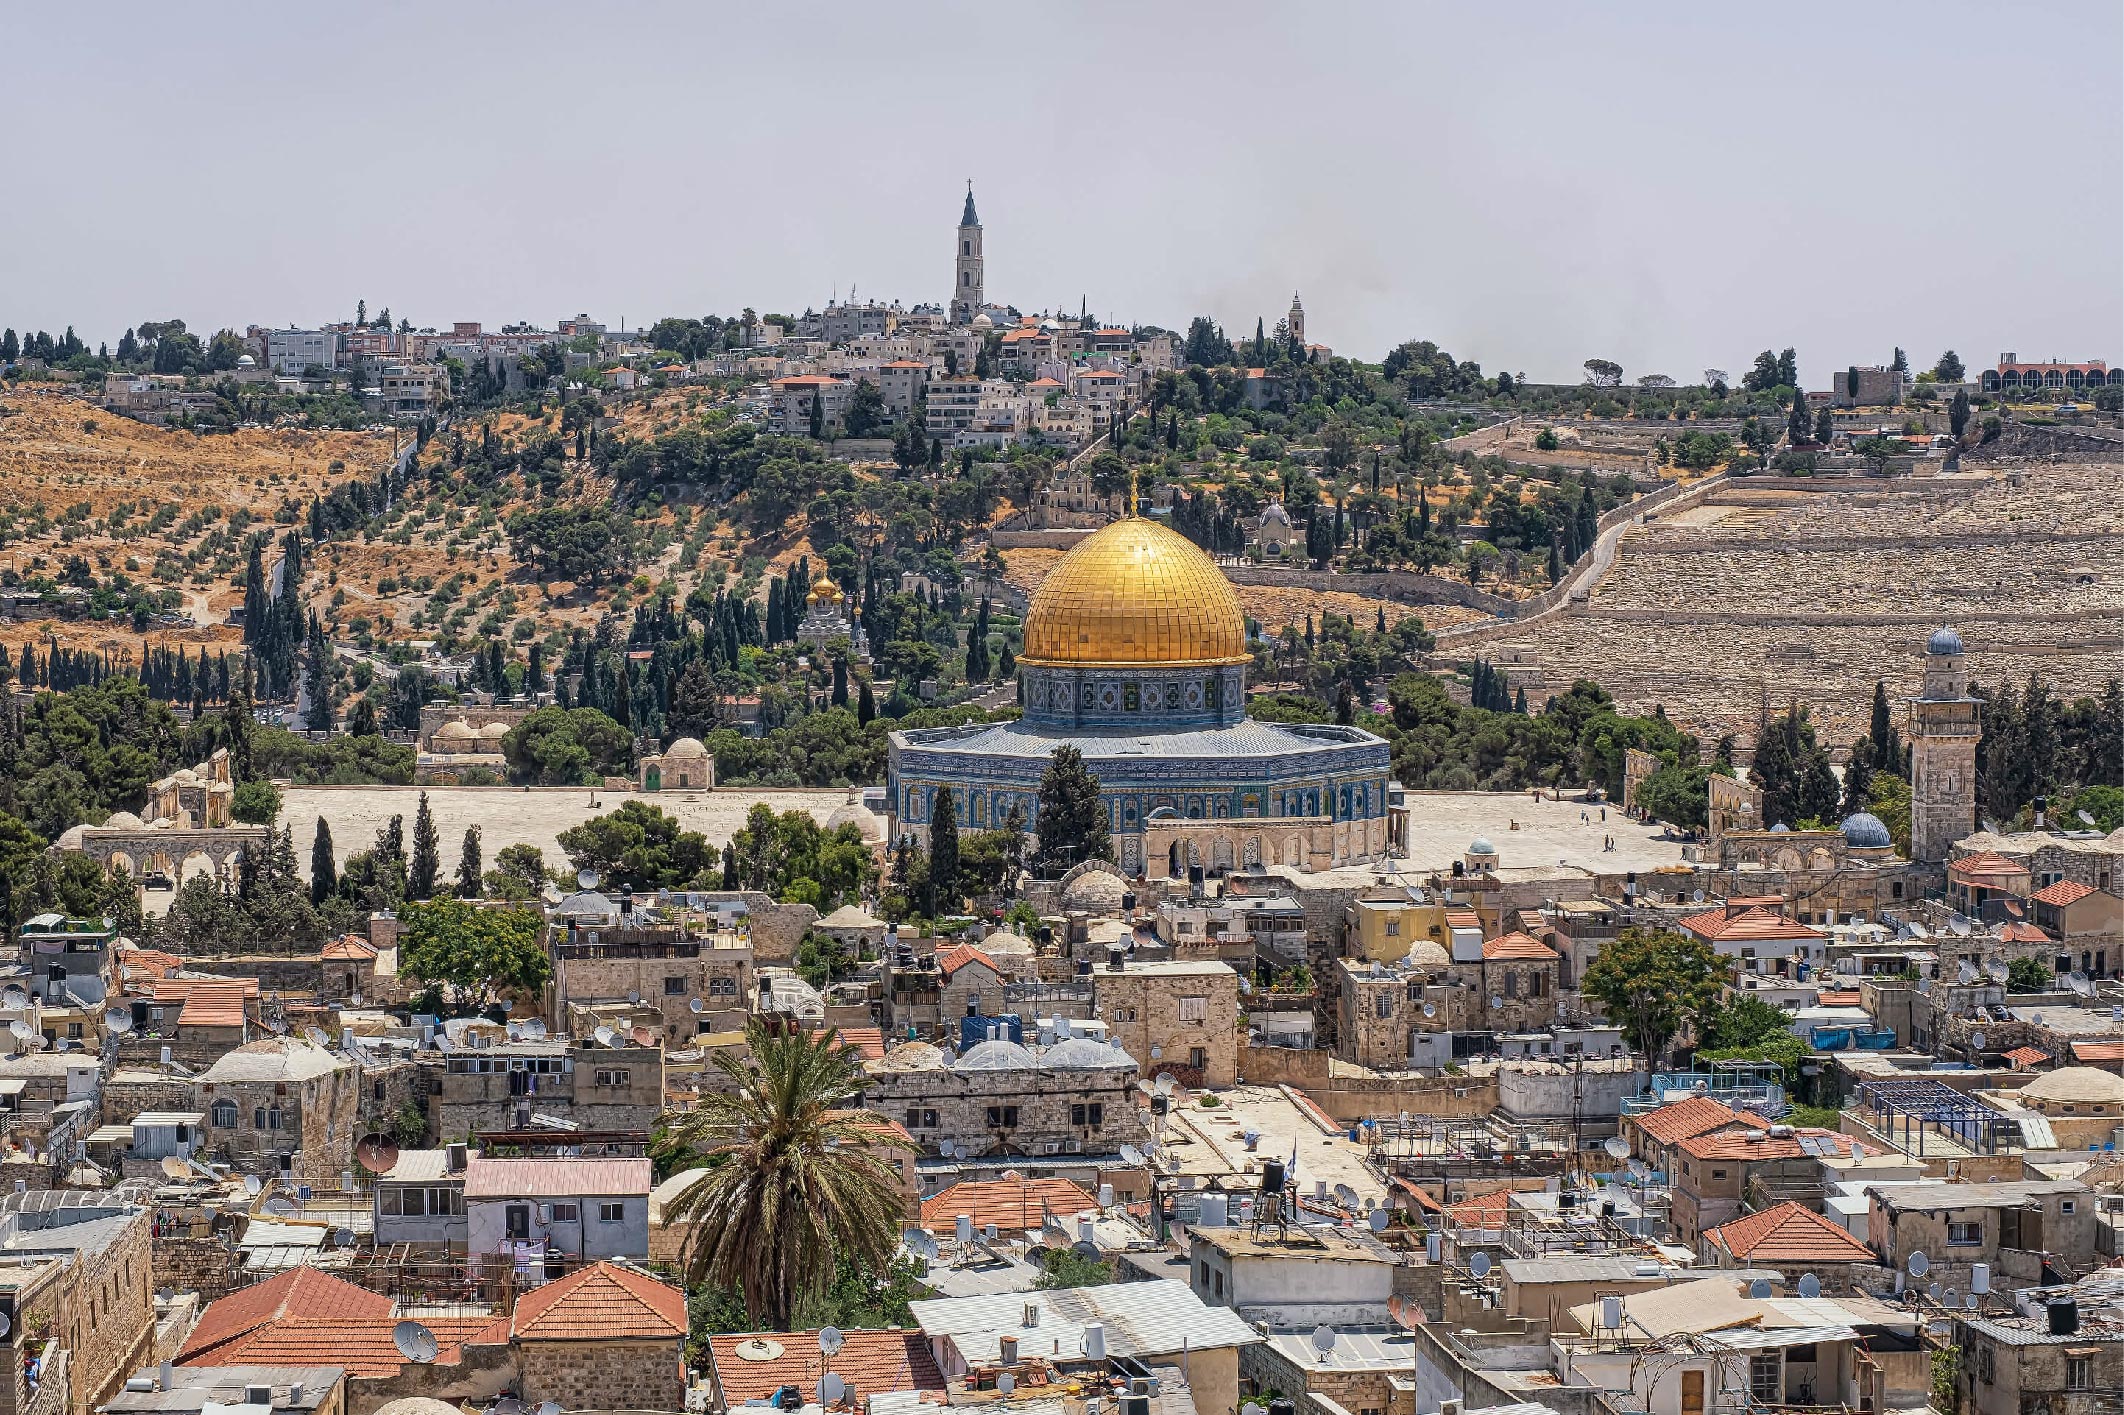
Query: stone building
[2014, 1363]
[1431, 1007]
[685, 765]
[98, 1301]
[999, 1098]
[1300, 1277]
[1180, 1016]
[694, 984]
[1367, 1372]
[1792, 1238]
[1711, 1180]
[485, 1089]
[603, 1338]
[2012, 1227]
[826, 620]
[968, 283]
[281, 1102]
[1943, 730]
[454, 738]
[585, 1209]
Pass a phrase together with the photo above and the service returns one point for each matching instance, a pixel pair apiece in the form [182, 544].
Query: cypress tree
[423, 870]
[866, 704]
[1881, 729]
[324, 871]
[840, 682]
[1072, 818]
[943, 852]
[468, 868]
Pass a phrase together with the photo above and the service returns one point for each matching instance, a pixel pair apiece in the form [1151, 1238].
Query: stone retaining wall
[1403, 586]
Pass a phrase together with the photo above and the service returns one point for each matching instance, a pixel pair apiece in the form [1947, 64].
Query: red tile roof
[1519, 946]
[602, 1302]
[2019, 932]
[303, 1292]
[365, 1346]
[1698, 1115]
[2098, 1051]
[1012, 1205]
[1418, 1193]
[220, 1005]
[951, 960]
[869, 1041]
[1745, 925]
[2065, 891]
[1484, 1211]
[348, 948]
[1985, 864]
[2027, 1056]
[1760, 1145]
[1789, 1233]
[1842, 998]
[178, 989]
[748, 1367]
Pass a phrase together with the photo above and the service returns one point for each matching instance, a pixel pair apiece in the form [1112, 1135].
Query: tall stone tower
[967, 296]
[1295, 321]
[1943, 730]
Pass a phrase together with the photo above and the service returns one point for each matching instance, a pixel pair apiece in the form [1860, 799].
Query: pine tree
[425, 867]
[324, 871]
[468, 867]
[1799, 425]
[943, 854]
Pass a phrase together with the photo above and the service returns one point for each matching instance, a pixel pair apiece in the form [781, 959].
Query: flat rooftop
[1213, 1142]
[1532, 837]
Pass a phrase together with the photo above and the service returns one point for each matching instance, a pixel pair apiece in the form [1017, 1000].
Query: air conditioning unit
[1073, 1147]
[1051, 1147]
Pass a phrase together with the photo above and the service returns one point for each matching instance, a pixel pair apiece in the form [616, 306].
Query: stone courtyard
[1814, 593]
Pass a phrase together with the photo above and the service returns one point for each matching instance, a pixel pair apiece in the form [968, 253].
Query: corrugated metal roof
[554, 1178]
[1141, 1319]
[1591, 1268]
[1355, 1349]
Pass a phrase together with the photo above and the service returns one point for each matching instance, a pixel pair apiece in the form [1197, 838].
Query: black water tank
[1272, 1183]
[1133, 1404]
[1283, 1405]
[2064, 1318]
[1128, 901]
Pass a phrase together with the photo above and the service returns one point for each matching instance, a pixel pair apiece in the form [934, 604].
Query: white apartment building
[290, 351]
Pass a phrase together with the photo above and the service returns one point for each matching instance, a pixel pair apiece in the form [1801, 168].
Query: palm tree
[793, 1179]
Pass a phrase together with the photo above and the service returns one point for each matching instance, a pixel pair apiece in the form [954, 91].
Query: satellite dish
[1976, 1040]
[1480, 1265]
[252, 1184]
[586, 878]
[279, 1207]
[2087, 820]
[1759, 1289]
[1165, 1083]
[831, 1340]
[644, 1037]
[5, 1325]
[1697, 897]
[1933, 1292]
[606, 1037]
[922, 1243]
[318, 1038]
[118, 1021]
[1617, 1147]
[176, 1168]
[634, 999]
[1918, 1264]
[415, 1342]
[1006, 1383]
[344, 1237]
[1430, 1009]
[1810, 1286]
[1323, 1339]
[22, 1030]
[832, 1388]
[1157, 1053]
[535, 1029]
[696, 1006]
[376, 1153]
[1496, 1002]
[1346, 1196]
[1376, 1220]
[1131, 1156]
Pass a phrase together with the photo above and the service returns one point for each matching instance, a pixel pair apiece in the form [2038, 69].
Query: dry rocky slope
[1812, 594]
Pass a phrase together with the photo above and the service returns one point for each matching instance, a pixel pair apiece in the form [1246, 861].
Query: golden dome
[825, 591]
[1134, 593]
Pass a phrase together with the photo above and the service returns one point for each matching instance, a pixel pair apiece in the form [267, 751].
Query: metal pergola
[1904, 1110]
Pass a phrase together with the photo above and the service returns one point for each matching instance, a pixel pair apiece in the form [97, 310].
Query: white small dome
[854, 812]
[246, 361]
[1427, 956]
[685, 747]
[995, 1056]
[70, 838]
[982, 321]
[455, 730]
[1481, 845]
[123, 820]
[494, 732]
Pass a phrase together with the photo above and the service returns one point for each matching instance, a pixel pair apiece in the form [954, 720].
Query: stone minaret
[1296, 321]
[1943, 732]
[966, 289]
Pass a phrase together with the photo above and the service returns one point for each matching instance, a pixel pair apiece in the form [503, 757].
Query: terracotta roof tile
[1985, 864]
[348, 948]
[871, 1361]
[952, 959]
[178, 989]
[552, 1178]
[869, 1041]
[1483, 1211]
[1698, 1115]
[1519, 946]
[2065, 891]
[602, 1302]
[303, 1292]
[1012, 1205]
[1789, 1233]
[2098, 1051]
[1759, 1145]
[1841, 998]
[2027, 1056]
[2019, 932]
[363, 1345]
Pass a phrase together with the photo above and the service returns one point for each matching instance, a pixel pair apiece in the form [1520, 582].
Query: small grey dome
[995, 1056]
[1944, 640]
[1864, 831]
[1084, 1054]
[1780, 829]
[1481, 845]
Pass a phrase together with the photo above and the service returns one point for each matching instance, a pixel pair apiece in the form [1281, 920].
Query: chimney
[1009, 1350]
[1031, 1315]
[164, 1374]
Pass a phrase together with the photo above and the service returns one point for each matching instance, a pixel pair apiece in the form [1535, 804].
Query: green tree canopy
[638, 847]
[479, 953]
[1654, 982]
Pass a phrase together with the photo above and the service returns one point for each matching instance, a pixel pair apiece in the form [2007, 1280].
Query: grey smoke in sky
[1668, 185]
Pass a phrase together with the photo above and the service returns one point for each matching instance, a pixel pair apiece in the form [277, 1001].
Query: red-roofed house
[795, 399]
[968, 976]
[605, 1337]
[1712, 1173]
[2085, 918]
[1654, 1135]
[753, 1366]
[1759, 939]
[1975, 879]
[1517, 983]
[306, 1317]
[1794, 1239]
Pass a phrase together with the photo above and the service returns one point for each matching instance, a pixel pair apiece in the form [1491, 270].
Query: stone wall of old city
[109, 1314]
[206, 1266]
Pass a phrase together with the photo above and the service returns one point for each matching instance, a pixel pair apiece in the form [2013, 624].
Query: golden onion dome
[825, 591]
[1134, 593]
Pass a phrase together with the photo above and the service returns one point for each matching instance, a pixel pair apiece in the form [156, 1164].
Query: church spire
[967, 217]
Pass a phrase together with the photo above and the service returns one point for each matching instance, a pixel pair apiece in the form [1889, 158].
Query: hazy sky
[1668, 185]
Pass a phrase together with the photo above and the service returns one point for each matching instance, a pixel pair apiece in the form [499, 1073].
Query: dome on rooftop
[1095, 891]
[686, 747]
[995, 1056]
[1864, 831]
[1944, 640]
[854, 812]
[493, 732]
[1135, 592]
[1780, 829]
[1084, 1054]
[1481, 845]
[122, 820]
[456, 730]
[246, 361]
[1275, 515]
[1428, 956]
[2076, 1083]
